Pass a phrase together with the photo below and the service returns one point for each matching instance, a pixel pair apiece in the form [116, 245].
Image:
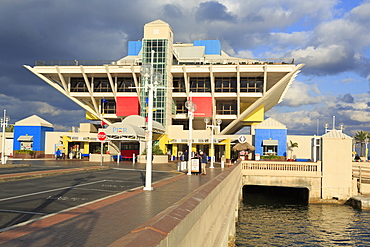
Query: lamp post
[218, 121]
[152, 80]
[4, 123]
[192, 107]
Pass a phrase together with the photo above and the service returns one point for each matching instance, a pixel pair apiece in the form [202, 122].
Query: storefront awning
[25, 138]
[270, 142]
[122, 131]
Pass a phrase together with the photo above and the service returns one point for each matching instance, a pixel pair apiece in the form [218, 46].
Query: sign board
[195, 165]
[102, 136]
[257, 156]
[242, 139]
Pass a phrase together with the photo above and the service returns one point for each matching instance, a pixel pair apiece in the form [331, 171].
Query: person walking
[204, 161]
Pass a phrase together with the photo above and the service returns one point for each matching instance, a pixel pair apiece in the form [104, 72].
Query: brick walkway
[104, 221]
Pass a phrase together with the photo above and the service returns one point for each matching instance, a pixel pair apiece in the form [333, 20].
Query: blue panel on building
[37, 132]
[134, 48]
[213, 47]
[271, 134]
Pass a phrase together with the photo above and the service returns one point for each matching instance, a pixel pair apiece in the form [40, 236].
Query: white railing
[361, 171]
[281, 168]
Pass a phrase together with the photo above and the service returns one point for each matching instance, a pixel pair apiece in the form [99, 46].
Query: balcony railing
[252, 61]
[74, 62]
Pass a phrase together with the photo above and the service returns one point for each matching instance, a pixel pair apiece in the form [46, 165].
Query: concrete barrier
[205, 217]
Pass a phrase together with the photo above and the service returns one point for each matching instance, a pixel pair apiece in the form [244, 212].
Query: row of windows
[222, 107]
[197, 84]
[125, 84]
[223, 84]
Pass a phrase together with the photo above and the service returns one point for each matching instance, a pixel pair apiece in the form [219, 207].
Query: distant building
[29, 134]
[237, 91]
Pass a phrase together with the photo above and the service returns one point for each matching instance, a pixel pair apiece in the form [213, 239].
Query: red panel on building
[127, 106]
[204, 106]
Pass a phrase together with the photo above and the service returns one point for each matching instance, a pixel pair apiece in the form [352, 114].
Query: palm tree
[292, 145]
[362, 137]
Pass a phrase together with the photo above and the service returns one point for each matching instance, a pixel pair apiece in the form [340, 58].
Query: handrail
[281, 166]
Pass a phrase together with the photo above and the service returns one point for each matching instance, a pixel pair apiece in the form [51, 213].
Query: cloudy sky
[331, 37]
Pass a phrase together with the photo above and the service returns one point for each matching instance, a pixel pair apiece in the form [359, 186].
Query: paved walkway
[102, 222]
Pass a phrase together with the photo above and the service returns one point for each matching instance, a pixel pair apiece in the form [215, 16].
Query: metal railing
[251, 61]
[280, 166]
[74, 62]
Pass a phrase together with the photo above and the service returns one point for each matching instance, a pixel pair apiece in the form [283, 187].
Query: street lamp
[218, 121]
[152, 80]
[192, 107]
[4, 123]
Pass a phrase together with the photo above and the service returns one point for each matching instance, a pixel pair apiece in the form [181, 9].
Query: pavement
[104, 221]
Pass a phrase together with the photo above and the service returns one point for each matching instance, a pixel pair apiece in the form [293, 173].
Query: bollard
[222, 164]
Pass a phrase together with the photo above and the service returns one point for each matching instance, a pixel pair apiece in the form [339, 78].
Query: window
[160, 60]
[180, 107]
[108, 106]
[270, 149]
[200, 84]
[178, 84]
[78, 85]
[125, 84]
[102, 85]
[226, 84]
[226, 107]
[251, 84]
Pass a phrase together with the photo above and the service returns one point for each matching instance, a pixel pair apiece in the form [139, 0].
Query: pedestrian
[64, 153]
[186, 155]
[58, 154]
[357, 158]
[204, 161]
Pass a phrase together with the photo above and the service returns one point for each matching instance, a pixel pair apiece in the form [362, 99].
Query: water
[280, 223]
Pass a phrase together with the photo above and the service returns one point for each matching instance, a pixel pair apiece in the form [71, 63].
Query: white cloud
[300, 94]
[324, 57]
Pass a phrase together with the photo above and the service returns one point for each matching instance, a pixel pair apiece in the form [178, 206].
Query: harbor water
[265, 220]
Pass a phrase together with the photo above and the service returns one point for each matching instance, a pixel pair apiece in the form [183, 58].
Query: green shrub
[156, 150]
[270, 157]
[30, 152]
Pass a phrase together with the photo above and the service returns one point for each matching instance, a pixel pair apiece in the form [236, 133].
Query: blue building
[271, 138]
[29, 134]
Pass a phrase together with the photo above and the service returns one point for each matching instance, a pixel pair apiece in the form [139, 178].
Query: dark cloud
[172, 11]
[214, 11]
[347, 98]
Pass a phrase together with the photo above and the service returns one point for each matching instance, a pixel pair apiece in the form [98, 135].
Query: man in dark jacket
[204, 161]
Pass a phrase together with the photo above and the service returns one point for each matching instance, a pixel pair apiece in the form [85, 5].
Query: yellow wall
[256, 116]
[163, 140]
[227, 143]
[65, 140]
[86, 147]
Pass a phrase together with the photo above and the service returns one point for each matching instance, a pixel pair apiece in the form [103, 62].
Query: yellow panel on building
[255, 116]
[90, 116]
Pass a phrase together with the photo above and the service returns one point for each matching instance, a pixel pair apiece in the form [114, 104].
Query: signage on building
[242, 139]
[102, 136]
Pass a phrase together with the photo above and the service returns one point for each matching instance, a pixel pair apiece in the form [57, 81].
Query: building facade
[237, 91]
